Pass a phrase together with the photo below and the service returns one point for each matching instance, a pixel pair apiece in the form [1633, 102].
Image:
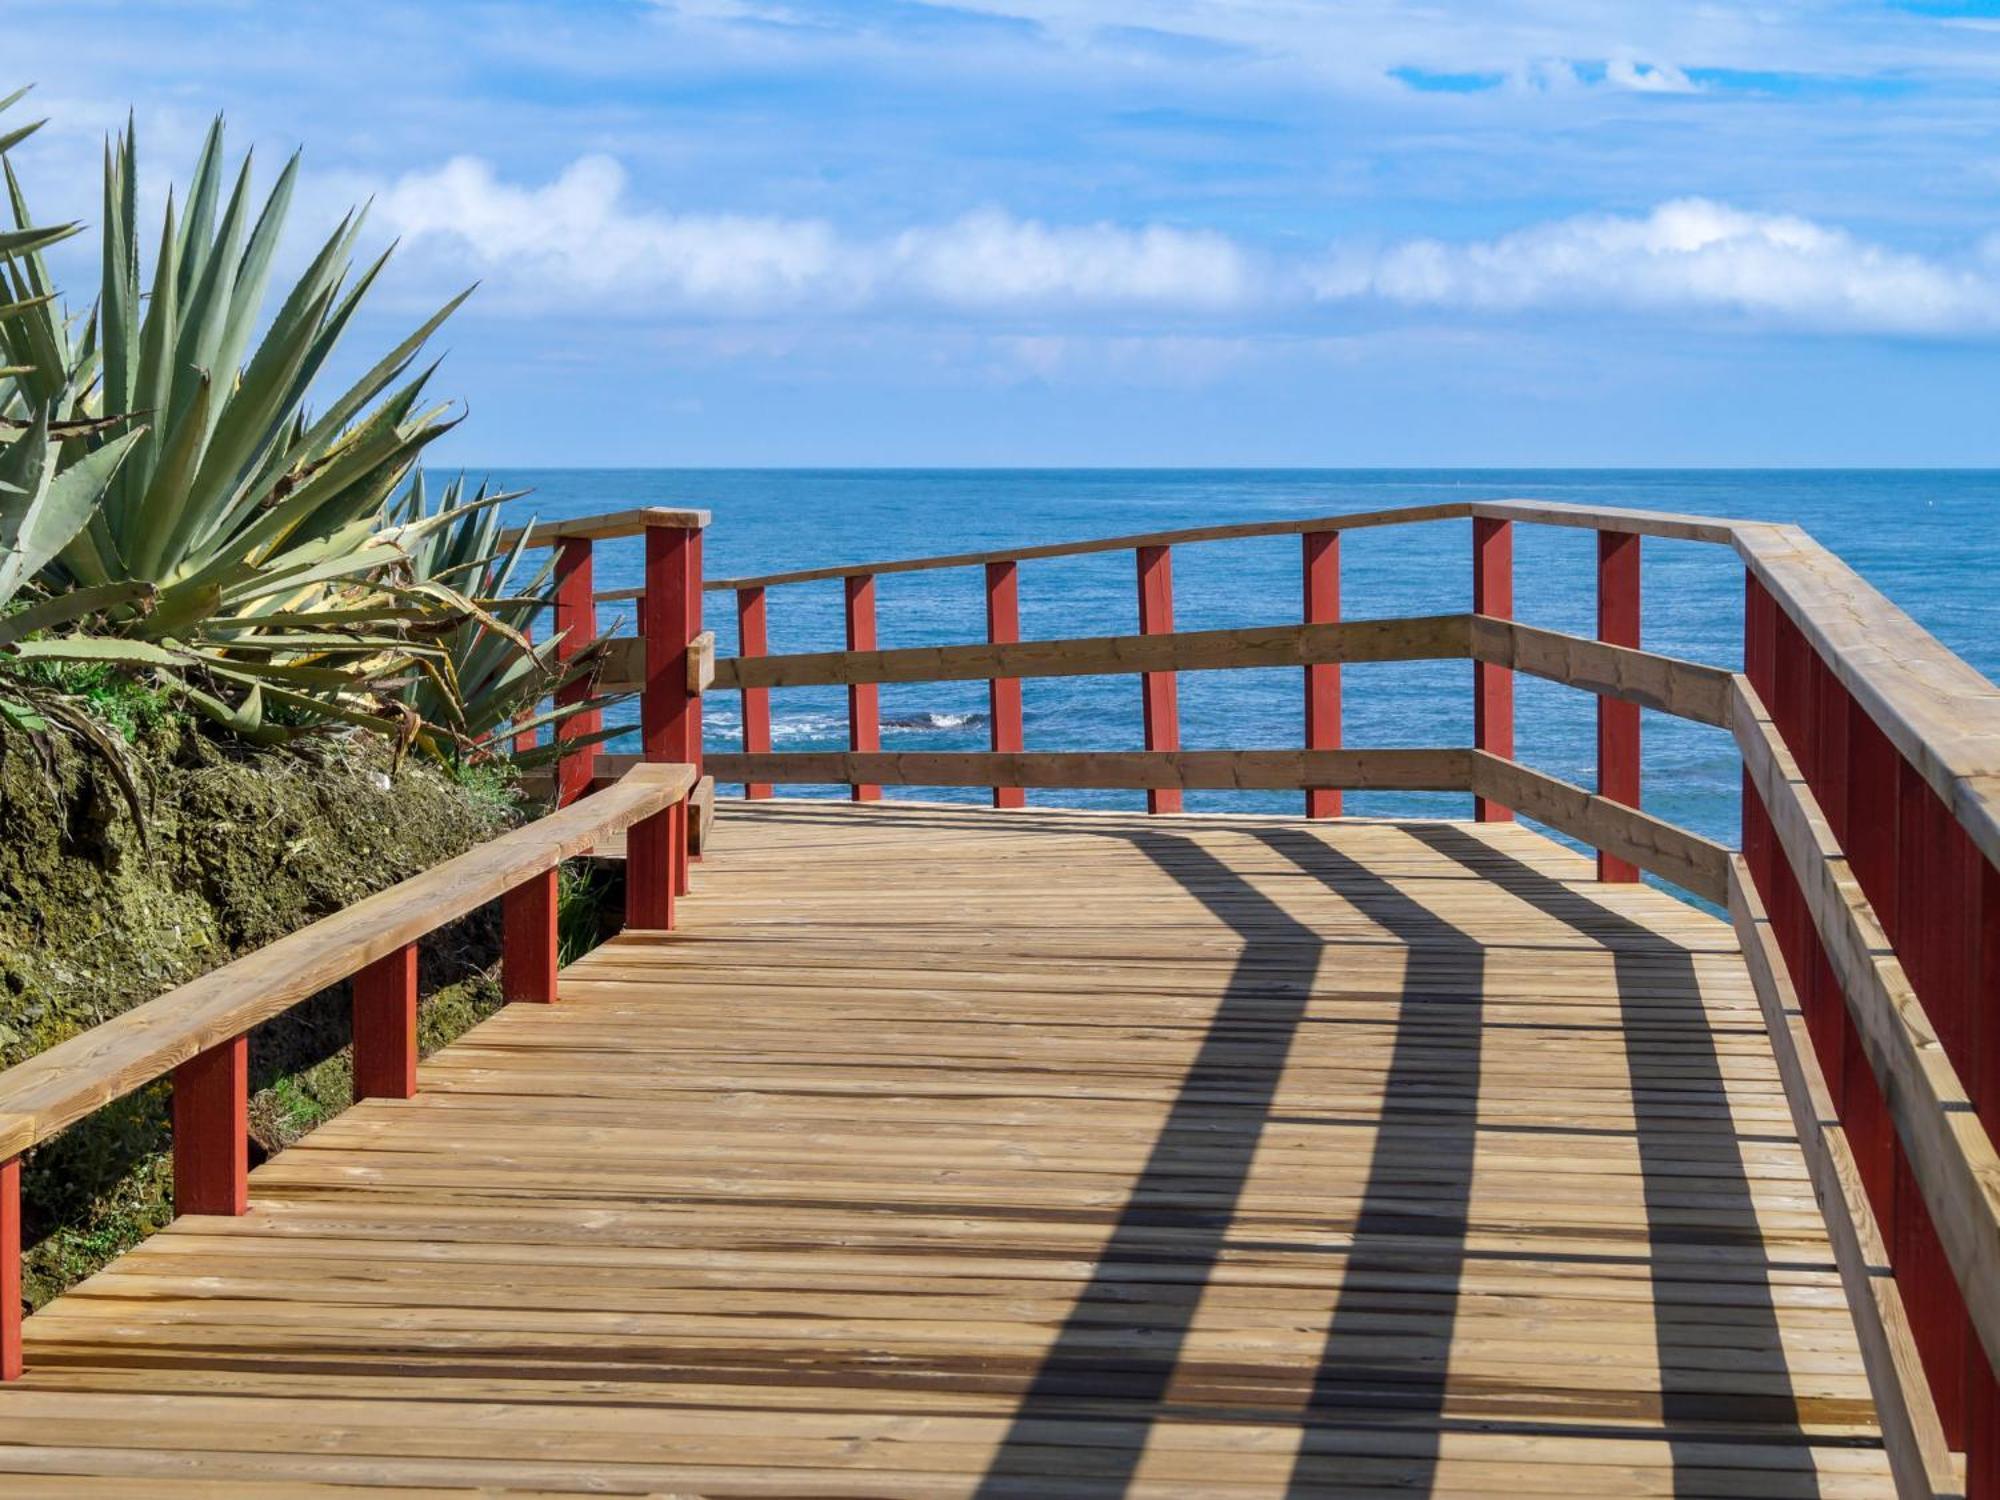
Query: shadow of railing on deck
[1694, 1181]
[1208, 1144]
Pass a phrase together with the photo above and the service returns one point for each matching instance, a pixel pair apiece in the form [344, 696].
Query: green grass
[114, 697]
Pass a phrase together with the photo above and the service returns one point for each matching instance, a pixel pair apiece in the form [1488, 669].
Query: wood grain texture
[1232, 531]
[1923, 1462]
[1437, 637]
[603, 528]
[1940, 713]
[1951, 1157]
[60, 1086]
[1446, 770]
[952, 1152]
[1653, 844]
[1685, 689]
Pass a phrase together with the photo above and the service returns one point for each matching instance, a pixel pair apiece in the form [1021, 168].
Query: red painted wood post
[1492, 686]
[1870, 843]
[1617, 720]
[864, 699]
[576, 624]
[694, 597]
[385, 1027]
[1982, 1391]
[752, 641]
[649, 868]
[1159, 691]
[212, 1131]
[1003, 694]
[1322, 607]
[1923, 940]
[528, 946]
[669, 618]
[10, 1269]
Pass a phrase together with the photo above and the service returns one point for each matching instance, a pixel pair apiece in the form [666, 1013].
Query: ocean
[1930, 540]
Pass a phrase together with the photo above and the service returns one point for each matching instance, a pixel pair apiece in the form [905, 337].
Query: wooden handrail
[56, 1088]
[1952, 1158]
[1349, 521]
[1936, 709]
[1685, 689]
[604, 527]
[1395, 769]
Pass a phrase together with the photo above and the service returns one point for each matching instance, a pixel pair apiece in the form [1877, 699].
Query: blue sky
[1177, 232]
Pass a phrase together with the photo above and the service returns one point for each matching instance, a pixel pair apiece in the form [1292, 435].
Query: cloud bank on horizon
[577, 241]
[1286, 220]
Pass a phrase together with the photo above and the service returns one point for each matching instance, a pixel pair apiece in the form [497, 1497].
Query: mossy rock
[240, 847]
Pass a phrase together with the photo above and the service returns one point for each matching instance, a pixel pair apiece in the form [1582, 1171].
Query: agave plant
[41, 511]
[258, 526]
[491, 677]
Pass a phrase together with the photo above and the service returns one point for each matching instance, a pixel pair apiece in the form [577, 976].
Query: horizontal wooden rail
[1912, 1435]
[1638, 522]
[603, 528]
[1437, 637]
[58, 1087]
[1936, 709]
[1685, 689]
[1235, 531]
[1419, 770]
[1951, 1156]
[1653, 844]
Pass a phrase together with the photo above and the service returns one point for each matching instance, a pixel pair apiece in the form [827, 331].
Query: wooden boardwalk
[959, 1153]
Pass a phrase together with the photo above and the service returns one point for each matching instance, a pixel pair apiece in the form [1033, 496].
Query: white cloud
[1649, 78]
[576, 237]
[990, 259]
[1688, 254]
[577, 243]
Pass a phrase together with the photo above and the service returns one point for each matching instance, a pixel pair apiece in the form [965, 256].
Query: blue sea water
[1930, 540]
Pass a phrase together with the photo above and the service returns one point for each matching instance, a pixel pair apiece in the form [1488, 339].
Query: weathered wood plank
[1653, 844]
[1686, 689]
[603, 528]
[1438, 637]
[62, 1085]
[1951, 1156]
[1923, 1462]
[1231, 531]
[1080, 1156]
[1213, 770]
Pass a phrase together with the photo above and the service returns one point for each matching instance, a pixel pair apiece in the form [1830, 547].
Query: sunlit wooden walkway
[955, 1153]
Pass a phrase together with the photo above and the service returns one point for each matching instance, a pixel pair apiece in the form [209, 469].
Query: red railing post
[528, 945]
[212, 1131]
[385, 1027]
[1492, 686]
[1617, 721]
[1003, 627]
[864, 699]
[752, 641]
[10, 1269]
[670, 618]
[1982, 1391]
[649, 868]
[1925, 942]
[1322, 607]
[1159, 691]
[576, 626]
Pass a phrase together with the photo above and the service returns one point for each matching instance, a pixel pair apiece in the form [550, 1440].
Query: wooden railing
[199, 1033]
[1866, 894]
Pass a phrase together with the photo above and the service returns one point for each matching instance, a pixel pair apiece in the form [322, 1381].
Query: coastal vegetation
[252, 665]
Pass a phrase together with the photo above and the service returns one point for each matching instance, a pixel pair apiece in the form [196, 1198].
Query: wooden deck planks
[970, 1153]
